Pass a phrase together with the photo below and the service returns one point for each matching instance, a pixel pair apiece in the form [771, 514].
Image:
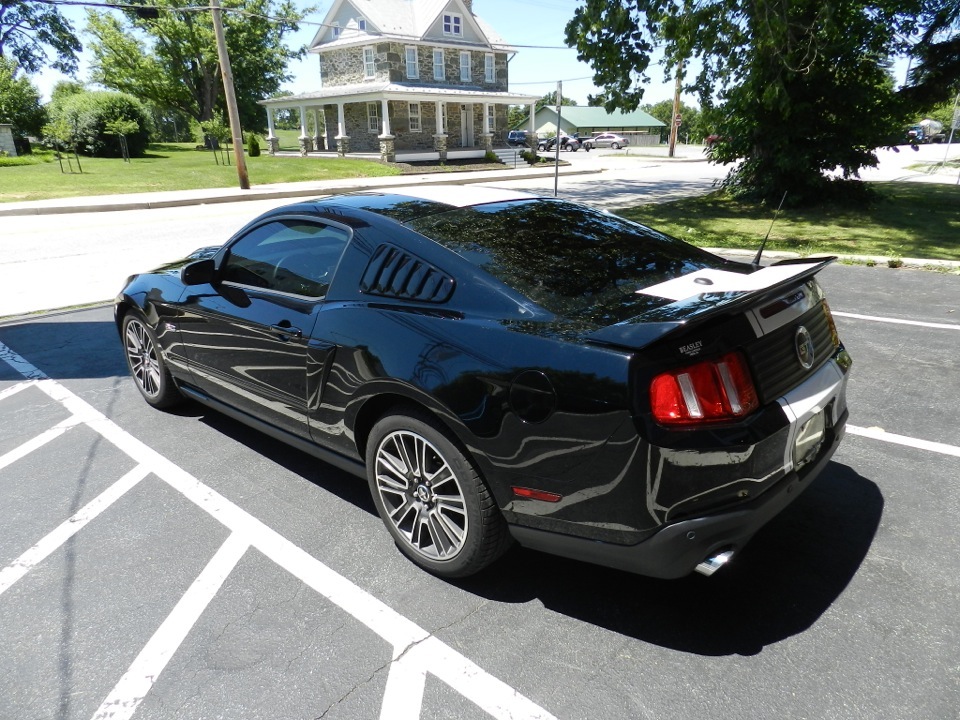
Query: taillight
[834, 335]
[710, 391]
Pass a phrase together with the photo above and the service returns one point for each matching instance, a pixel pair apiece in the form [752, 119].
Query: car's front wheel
[431, 498]
[146, 364]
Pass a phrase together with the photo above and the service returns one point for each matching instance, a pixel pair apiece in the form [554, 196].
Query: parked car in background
[568, 143]
[517, 138]
[610, 140]
[502, 367]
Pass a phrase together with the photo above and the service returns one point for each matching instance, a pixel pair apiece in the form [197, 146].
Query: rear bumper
[677, 549]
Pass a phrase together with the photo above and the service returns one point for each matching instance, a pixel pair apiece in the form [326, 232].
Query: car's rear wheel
[614, 146]
[146, 364]
[431, 497]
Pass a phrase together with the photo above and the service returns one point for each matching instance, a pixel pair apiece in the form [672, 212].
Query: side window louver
[395, 273]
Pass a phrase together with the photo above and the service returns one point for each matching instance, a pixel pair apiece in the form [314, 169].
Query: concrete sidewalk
[177, 198]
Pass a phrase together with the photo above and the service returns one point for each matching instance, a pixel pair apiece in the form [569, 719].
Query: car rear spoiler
[706, 295]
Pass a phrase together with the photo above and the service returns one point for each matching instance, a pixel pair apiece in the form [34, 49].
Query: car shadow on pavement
[82, 344]
[776, 587]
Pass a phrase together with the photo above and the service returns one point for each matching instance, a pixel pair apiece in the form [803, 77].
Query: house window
[491, 118]
[443, 118]
[361, 24]
[373, 117]
[439, 71]
[414, 117]
[336, 30]
[488, 71]
[453, 25]
[465, 67]
[413, 64]
[369, 63]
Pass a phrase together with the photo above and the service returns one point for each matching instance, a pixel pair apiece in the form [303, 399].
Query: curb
[211, 196]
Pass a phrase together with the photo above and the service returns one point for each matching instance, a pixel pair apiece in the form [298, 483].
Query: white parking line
[415, 650]
[125, 698]
[38, 442]
[39, 552]
[895, 321]
[876, 433]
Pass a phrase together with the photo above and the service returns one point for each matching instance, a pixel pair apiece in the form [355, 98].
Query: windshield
[571, 260]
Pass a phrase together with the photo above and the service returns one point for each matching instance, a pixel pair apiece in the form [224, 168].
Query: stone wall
[6, 140]
[345, 67]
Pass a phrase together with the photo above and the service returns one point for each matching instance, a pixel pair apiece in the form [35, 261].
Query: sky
[533, 70]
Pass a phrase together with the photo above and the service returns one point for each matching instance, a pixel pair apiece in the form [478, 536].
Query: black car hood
[706, 295]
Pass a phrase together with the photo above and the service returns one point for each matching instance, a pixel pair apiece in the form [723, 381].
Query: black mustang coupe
[503, 367]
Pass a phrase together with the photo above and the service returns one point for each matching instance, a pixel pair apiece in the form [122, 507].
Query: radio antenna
[756, 260]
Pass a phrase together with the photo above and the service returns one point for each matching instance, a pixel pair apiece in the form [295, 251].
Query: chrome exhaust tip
[713, 563]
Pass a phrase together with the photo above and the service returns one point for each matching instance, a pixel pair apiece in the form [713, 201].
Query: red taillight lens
[710, 391]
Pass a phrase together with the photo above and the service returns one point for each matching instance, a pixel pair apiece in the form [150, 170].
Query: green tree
[29, 29]
[550, 100]
[93, 116]
[171, 60]
[19, 101]
[804, 84]
[935, 76]
[694, 128]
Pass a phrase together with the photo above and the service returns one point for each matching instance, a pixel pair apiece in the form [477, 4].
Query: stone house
[407, 79]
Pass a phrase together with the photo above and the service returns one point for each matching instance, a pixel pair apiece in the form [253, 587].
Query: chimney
[469, 5]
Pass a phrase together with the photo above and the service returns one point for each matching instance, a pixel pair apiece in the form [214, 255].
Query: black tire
[431, 498]
[614, 146]
[150, 373]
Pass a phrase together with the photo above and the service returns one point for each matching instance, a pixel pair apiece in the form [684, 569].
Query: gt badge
[805, 349]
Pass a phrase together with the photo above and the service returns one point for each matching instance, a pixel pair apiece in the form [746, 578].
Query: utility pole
[674, 120]
[230, 95]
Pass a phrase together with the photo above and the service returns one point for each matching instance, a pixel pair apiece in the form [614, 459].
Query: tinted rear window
[569, 259]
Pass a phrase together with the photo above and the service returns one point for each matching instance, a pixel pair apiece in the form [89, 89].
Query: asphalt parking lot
[178, 565]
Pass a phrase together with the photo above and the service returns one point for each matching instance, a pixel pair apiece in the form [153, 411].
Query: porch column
[305, 144]
[388, 149]
[272, 142]
[343, 140]
[487, 134]
[318, 138]
[440, 138]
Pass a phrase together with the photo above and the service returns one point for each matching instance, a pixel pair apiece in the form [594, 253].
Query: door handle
[285, 330]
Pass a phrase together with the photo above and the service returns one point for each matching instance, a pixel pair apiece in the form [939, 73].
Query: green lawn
[172, 166]
[915, 220]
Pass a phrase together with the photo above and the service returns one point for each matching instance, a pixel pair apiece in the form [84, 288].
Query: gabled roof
[598, 117]
[405, 20]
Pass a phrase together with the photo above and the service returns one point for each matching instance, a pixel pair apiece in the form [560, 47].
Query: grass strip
[904, 220]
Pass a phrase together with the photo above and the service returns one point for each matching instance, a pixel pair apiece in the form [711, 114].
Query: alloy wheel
[142, 357]
[422, 496]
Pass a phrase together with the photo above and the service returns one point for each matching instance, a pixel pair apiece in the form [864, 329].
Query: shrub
[91, 114]
[253, 145]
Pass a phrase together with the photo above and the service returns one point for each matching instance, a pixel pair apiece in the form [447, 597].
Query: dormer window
[452, 25]
[336, 30]
[361, 24]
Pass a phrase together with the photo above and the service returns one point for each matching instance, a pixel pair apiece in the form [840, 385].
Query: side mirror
[201, 272]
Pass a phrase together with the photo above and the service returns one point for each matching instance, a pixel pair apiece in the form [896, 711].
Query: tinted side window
[289, 256]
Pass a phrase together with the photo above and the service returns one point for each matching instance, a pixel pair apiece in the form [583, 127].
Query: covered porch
[398, 123]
